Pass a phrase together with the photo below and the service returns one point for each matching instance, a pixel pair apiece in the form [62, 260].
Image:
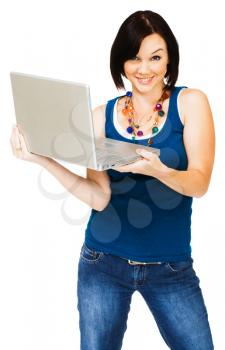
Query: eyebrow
[157, 50]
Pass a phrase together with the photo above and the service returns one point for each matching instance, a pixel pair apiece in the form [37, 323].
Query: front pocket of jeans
[179, 265]
[90, 255]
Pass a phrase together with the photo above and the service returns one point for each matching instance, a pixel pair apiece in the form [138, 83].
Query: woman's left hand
[149, 164]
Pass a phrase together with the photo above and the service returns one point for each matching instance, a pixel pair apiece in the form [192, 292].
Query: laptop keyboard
[106, 161]
[119, 154]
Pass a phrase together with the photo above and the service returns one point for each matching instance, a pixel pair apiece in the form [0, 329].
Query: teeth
[145, 80]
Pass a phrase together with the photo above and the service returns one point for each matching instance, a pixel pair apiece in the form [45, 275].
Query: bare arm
[94, 193]
[93, 190]
[199, 141]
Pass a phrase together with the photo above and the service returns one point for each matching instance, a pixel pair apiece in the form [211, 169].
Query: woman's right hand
[20, 150]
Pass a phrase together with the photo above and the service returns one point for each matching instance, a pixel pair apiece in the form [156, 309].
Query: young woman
[139, 232]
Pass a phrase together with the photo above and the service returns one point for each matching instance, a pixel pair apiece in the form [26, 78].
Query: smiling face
[147, 69]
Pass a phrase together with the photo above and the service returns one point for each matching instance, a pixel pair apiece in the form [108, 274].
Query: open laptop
[55, 118]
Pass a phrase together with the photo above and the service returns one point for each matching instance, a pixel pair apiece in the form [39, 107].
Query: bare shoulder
[99, 120]
[190, 94]
[191, 100]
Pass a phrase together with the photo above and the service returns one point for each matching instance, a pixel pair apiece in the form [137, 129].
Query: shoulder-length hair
[128, 41]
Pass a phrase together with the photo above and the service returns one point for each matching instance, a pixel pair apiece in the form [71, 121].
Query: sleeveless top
[145, 220]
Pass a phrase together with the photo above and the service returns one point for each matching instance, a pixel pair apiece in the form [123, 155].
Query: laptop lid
[55, 118]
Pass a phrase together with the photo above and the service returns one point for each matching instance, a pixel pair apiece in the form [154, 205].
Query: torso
[135, 197]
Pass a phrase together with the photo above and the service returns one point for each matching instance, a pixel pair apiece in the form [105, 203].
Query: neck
[148, 99]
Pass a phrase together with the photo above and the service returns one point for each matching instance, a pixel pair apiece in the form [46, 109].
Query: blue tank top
[145, 220]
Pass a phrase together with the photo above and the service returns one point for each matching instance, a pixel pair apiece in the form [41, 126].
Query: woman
[138, 235]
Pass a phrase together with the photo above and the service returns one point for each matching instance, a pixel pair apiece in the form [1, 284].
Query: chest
[146, 120]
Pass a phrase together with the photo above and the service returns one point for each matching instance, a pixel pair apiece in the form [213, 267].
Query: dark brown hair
[128, 41]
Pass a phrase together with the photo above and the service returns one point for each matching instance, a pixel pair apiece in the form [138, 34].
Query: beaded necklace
[134, 127]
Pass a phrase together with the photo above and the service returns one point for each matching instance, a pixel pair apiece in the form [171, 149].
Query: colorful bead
[154, 129]
[129, 93]
[130, 129]
[140, 133]
[158, 107]
[124, 111]
[130, 108]
[161, 113]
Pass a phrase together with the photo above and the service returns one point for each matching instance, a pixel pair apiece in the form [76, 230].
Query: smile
[144, 81]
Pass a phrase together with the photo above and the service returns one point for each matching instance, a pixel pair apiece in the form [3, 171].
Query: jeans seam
[94, 260]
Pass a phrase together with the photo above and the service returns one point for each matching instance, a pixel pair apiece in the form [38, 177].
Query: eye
[156, 58]
[135, 58]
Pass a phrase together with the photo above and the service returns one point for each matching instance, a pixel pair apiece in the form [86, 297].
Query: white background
[39, 248]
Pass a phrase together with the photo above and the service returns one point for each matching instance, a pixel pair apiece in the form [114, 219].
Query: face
[147, 69]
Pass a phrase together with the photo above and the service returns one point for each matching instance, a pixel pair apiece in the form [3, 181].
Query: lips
[144, 81]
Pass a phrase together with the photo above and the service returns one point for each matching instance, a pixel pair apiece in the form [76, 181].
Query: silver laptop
[55, 118]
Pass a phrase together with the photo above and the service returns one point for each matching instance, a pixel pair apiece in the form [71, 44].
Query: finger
[12, 137]
[144, 153]
[18, 147]
[17, 139]
[13, 142]
[23, 143]
[124, 168]
[120, 168]
[117, 168]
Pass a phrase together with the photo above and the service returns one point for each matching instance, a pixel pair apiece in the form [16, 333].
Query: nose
[144, 68]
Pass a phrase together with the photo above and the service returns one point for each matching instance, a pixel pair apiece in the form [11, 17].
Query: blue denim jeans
[171, 290]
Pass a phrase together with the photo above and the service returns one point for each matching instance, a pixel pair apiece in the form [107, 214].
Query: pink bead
[139, 133]
[158, 107]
